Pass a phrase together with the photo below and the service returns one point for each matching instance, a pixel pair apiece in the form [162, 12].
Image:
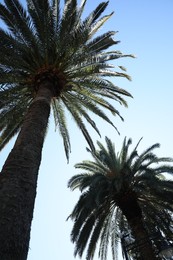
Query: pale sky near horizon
[146, 30]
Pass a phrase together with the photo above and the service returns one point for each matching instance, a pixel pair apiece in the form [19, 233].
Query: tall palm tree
[49, 59]
[121, 192]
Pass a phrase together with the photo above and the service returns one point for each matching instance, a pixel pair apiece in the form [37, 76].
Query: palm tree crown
[119, 191]
[43, 44]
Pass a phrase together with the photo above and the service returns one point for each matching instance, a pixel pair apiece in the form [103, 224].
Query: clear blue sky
[146, 30]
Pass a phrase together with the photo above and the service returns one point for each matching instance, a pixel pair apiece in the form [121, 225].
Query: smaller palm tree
[122, 192]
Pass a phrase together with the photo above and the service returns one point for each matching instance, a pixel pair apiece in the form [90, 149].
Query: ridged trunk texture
[18, 179]
[142, 240]
[133, 213]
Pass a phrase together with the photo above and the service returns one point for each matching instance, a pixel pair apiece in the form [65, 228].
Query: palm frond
[92, 167]
[105, 235]
[102, 42]
[146, 155]
[99, 23]
[84, 235]
[80, 181]
[79, 122]
[124, 150]
[60, 121]
[69, 18]
[22, 23]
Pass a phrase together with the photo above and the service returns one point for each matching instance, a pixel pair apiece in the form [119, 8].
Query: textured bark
[142, 240]
[18, 179]
[133, 213]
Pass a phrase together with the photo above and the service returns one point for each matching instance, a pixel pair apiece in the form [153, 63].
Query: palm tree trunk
[130, 208]
[142, 240]
[18, 179]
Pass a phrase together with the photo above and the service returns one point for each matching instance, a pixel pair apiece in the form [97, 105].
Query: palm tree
[122, 192]
[49, 59]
